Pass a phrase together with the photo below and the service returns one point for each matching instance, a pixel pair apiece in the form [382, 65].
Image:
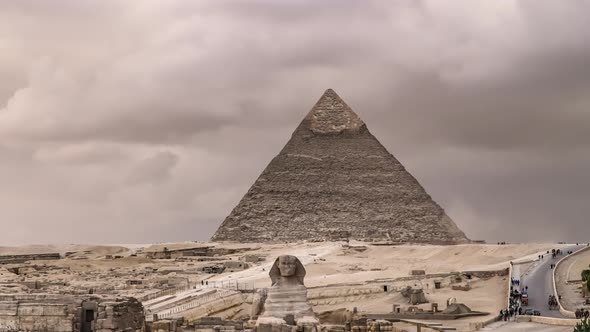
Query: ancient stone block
[9, 323]
[64, 325]
[33, 323]
[55, 310]
[26, 309]
[8, 308]
[107, 323]
[164, 326]
[59, 324]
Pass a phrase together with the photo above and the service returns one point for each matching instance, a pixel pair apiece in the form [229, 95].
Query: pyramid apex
[331, 115]
[330, 93]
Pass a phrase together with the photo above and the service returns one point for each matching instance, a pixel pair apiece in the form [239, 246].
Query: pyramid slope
[334, 179]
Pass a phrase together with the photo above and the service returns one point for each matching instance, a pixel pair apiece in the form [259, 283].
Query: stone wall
[548, 320]
[118, 315]
[336, 295]
[65, 313]
[17, 259]
[488, 274]
[15, 316]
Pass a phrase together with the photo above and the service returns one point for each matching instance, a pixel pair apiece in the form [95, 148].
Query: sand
[568, 277]
[346, 275]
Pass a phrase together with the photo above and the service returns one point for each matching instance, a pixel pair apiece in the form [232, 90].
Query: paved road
[539, 279]
[525, 327]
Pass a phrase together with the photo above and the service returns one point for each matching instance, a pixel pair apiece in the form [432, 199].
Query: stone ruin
[414, 295]
[333, 179]
[69, 313]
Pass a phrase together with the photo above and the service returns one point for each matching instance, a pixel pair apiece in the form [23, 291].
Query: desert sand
[339, 275]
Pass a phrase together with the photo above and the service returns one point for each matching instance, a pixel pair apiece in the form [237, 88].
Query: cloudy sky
[146, 121]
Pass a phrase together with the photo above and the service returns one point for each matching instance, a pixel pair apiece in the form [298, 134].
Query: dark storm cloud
[165, 112]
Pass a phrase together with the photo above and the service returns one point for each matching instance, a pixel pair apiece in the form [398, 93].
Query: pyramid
[334, 180]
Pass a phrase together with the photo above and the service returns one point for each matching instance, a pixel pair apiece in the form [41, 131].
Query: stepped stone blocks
[334, 180]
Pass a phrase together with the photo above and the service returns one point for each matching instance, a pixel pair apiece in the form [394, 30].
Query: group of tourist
[555, 252]
[515, 282]
[582, 313]
[514, 310]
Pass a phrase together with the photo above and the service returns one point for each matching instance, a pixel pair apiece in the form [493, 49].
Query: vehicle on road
[552, 302]
[532, 312]
[524, 299]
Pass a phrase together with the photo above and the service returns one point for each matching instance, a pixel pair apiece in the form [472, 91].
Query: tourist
[520, 310]
[577, 313]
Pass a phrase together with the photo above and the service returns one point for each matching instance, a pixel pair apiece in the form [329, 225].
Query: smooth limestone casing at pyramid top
[333, 177]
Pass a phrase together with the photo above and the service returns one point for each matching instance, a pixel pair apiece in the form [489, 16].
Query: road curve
[539, 280]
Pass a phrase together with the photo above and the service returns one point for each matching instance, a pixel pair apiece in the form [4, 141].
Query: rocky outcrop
[334, 180]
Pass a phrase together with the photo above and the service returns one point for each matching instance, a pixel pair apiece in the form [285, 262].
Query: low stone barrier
[547, 320]
[554, 321]
[480, 325]
[509, 285]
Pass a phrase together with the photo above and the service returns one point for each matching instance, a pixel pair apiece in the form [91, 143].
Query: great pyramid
[332, 180]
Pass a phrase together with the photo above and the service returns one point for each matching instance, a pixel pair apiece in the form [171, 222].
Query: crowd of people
[582, 313]
[515, 307]
[512, 311]
[515, 282]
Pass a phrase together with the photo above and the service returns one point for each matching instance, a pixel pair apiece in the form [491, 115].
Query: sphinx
[286, 300]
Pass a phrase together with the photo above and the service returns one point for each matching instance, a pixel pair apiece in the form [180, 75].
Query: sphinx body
[287, 297]
[284, 301]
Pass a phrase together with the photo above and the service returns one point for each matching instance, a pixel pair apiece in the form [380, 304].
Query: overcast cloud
[147, 121]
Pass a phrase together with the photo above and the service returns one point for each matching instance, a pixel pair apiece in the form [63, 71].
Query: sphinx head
[287, 267]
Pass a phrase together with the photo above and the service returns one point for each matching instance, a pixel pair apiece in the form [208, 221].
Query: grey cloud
[156, 168]
[166, 112]
[81, 154]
